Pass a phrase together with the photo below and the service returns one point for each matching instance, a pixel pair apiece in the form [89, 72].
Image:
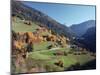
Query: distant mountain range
[85, 34]
[28, 13]
[80, 29]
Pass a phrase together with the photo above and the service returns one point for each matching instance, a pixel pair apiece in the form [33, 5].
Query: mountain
[28, 13]
[80, 29]
[89, 39]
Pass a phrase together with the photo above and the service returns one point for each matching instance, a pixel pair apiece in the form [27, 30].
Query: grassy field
[19, 26]
[49, 59]
[41, 46]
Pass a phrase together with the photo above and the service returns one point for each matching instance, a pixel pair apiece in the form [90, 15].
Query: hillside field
[45, 58]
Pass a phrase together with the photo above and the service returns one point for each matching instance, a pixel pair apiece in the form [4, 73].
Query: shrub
[65, 53]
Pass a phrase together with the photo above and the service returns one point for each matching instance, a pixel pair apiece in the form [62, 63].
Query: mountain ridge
[81, 28]
[41, 18]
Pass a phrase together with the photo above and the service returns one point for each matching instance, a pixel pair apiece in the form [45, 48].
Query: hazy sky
[65, 13]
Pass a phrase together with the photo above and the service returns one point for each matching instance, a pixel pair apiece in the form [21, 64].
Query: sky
[67, 14]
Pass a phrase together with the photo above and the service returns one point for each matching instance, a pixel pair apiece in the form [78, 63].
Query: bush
[65, 53]
[50, 46]
[59, 63]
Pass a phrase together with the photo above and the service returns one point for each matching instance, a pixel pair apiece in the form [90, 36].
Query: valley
[41, 44]
[45, 52]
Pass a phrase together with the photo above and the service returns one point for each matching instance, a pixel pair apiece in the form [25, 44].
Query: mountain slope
[80, 29]
[89, 39]
[28, 13]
